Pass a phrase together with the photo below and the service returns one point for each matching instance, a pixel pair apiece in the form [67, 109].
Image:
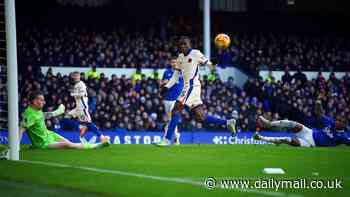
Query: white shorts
[194, 97]
[82, 114]
[168, 106]
[305, 137]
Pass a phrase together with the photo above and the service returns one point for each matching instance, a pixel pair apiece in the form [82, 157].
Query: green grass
[187, 162]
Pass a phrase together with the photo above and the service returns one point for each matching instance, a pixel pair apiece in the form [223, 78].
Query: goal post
[12, 78]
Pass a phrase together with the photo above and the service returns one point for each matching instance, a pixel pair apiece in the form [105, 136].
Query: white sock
[93, 139]
[177, 134]
[276, 140]
[284, 124]
[83, 140]
[166, 130]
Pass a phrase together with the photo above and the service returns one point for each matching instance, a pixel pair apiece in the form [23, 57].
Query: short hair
[33, 95]
[185, 38]
[75, 73]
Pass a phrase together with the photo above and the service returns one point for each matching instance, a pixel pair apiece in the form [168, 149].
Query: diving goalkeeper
[34, 124]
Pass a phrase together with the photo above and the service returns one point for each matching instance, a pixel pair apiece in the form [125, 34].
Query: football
[222, 41]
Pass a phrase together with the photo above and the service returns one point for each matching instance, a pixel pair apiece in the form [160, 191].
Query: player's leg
[177, 136]
[288, 125]
[278, 140]
[196, 105]
[75, 125]
[56, 141]
[200, 116]
[303, 134]
[87, 124]
[174, 120]
[76, 114]
[169, 106]
[70, 145]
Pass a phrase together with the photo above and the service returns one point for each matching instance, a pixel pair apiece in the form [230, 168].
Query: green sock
[92, 146]
[88, 146]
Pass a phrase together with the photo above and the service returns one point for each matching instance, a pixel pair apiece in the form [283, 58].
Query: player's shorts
[82, 114]
[51, 138]
[305, 137]
[168, 106]
[194, 97]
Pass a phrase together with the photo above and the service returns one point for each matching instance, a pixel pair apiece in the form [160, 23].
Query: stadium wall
[149, 137]
[309, 74]
[120, 136]
[224, 73]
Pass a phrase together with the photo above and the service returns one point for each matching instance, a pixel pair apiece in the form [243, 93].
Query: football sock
[277, 140]
[93, 128]
[175, 118]
[285, 124]
[215, 120]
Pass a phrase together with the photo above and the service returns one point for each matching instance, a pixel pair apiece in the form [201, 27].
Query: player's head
[173, 62]
[340, 123]
[184, 44]
[37, 100]
[75, 76]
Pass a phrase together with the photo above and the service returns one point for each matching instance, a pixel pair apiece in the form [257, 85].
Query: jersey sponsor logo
[189, 60]
[328, 132]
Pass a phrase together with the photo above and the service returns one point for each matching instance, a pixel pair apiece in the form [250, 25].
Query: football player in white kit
[81, 110]
[188, 63]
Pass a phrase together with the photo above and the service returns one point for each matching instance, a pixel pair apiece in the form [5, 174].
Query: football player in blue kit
[331, 134]
[170, 95]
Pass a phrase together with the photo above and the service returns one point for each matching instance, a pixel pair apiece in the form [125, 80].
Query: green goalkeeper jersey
[34, 123]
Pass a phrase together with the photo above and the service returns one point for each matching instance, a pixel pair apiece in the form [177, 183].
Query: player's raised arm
[171, 78]
[205, 61]
[318, 108]
[60, 110]
[170, 83]
[174, 78]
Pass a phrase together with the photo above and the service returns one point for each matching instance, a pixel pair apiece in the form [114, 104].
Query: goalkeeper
[34, 124]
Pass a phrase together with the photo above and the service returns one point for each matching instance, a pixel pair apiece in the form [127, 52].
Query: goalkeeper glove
[60, 110]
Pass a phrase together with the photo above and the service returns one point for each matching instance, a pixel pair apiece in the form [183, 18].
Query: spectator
[137, 76]
[287, 77]
[93, 74]
[300, 76]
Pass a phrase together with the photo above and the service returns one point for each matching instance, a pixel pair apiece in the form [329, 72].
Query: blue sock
[93, 128]
[215, 120]
[172, 126]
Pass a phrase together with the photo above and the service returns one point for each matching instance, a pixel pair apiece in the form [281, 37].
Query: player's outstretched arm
[165, 86]
[174, 78]
[60, 110]
[318, 108]
[211, 65]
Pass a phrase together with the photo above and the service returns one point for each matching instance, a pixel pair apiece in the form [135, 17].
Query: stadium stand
[124, 104]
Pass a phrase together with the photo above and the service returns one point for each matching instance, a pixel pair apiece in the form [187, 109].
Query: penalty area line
[158, 178]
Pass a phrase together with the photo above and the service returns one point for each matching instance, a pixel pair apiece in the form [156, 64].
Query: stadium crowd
[120, 47]
[122, 103]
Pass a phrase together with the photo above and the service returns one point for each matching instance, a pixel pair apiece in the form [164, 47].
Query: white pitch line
[159, 178]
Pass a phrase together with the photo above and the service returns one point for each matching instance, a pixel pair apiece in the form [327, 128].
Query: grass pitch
[145, 170]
